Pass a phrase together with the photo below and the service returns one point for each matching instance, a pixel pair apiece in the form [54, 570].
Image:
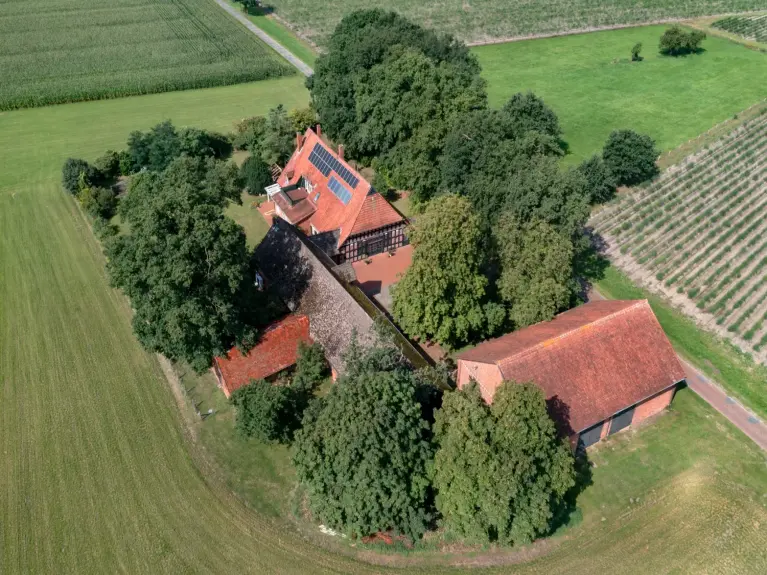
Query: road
[717, 398]
[279, 48]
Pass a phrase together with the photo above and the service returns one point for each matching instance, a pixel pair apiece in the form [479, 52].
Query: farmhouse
[603, 366]
[325, 197]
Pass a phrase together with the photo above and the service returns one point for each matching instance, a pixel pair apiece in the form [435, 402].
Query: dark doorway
[590, 436]
[376, 245]
[622, 420]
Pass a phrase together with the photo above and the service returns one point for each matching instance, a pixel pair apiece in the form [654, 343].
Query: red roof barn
[276, 351]
[602, 366]
[322, 194]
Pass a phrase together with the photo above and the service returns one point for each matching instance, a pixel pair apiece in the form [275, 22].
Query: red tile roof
[365, 211]
[597, 359]
[277, 349]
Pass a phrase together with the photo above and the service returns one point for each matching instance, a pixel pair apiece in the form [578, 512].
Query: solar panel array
[339, 190]
[325, 162]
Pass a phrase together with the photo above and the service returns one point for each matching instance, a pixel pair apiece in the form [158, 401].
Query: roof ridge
[553, 340]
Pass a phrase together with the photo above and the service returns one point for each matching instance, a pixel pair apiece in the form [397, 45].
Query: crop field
[697, 235]
[71, 50]
[590, 82]
[488, 20]
[752, 27]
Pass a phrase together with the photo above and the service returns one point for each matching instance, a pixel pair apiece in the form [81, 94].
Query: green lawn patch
[594, 88]
[720, 360]
[67, 51]
[248, 216]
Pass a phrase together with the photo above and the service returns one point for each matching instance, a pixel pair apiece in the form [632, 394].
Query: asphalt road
[279, 48]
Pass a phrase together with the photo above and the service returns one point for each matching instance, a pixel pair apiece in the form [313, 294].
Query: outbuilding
[603, 366]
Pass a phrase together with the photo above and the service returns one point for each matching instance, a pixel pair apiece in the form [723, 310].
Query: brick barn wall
[654, 405]
[488, 376]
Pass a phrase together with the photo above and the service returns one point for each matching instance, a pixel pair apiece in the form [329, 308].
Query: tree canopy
[499, 471]
[630, 157]
[184, 264]
[601, 183]
[363, 451]
[442, 295]
[676, 42]
[255, 175]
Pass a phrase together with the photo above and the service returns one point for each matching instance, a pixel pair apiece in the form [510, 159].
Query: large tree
[536, 265]
[363, 451]
[499, 471]
[442, 295]
[184, 264]
[630, 157]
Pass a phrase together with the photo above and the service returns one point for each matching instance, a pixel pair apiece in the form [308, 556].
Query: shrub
[255, 175]
[248, 133]
[73, 171]
[108, 165]
[311, 368]
[676, 42]
[100, 203]
[635, 57]
[203, 144]
[630, 157]
[303, 118]
[265, 411]
[601, 183]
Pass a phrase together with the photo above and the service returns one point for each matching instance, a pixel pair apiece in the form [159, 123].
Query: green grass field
[591, 84]
[483, 20]
[71, 50]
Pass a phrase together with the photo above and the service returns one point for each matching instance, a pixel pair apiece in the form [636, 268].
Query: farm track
[697, 236]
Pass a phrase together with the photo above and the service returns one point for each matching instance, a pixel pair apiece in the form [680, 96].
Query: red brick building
[275, 352]
[325, 197]
[603, 366]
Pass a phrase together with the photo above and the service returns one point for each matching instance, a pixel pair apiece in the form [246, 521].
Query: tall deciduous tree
[601, 183]
[500, 470]
[630, 157]
[185, 263]
[536, 262]
[363, 451]
[528, 113]
[442, 294]
[279, 138]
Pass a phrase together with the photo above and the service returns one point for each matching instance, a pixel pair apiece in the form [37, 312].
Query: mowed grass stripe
[82, 50]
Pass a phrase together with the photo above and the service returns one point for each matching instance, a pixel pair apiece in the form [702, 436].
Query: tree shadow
[684, 53]
[566, 513]
[255, 8]
[591, 262]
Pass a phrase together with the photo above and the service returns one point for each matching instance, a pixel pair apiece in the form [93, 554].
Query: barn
[603, 366]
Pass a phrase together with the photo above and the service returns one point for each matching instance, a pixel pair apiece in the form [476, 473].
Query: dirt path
[716, 397]
[271, 42]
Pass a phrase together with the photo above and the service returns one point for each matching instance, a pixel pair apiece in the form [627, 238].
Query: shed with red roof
[322, 194]
[276, 351]
[603, 366]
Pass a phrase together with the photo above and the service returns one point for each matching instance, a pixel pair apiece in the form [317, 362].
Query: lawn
[248, 216]
[594, 88]
[482, 20]
[71, 50]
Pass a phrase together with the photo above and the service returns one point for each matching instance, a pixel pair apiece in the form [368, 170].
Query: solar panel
[339, 190]
[325, 162]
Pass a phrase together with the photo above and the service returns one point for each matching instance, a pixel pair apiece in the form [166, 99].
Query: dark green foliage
[108, 165]
[630, 157]
[601, 184]
[126, 162]
[266, 411]
[72, 173]
[279, 140]
[162, 144]
[635, 52]
[389, 89]
[255, 175]
[100, 203]
[184, 265]
[442, 295]
[499, 471]
[676, 42]
[249, 133]
[536, 264]
[528, 113]
[311, 368]
[363, 451]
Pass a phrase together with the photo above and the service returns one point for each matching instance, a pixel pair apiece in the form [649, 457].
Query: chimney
[341, 151]
[299, 140]
[319, 130]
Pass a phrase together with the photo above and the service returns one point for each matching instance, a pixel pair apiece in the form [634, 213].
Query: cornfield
[60, 51]
[697, 235]
[752, 27]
